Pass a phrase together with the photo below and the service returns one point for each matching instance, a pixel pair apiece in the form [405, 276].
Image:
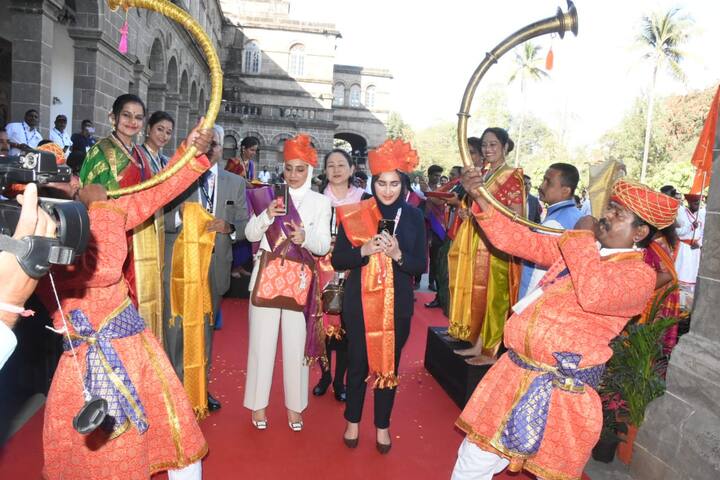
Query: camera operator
[17, 286]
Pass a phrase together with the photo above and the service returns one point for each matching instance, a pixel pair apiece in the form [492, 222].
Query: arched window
[339, 95]
[296, 68]
[230, 147]
[370, 96]
[355, 96]
[251, 58]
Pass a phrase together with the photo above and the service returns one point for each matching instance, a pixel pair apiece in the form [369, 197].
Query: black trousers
[358, 372]
[341, 349]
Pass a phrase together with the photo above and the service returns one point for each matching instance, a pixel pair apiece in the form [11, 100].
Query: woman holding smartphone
[303, 217]
[338, 187]
[382, 242]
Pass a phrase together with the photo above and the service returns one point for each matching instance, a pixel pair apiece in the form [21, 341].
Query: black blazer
[410, 232]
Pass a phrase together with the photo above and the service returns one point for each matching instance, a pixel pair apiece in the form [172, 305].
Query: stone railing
[279, 112]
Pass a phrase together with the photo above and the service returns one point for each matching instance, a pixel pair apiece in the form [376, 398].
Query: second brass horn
[173, 12]
[560, 23]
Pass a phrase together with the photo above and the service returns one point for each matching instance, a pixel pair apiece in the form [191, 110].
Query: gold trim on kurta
[173, 420]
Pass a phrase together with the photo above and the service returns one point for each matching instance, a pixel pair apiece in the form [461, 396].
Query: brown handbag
[332, 297]
[282, 282]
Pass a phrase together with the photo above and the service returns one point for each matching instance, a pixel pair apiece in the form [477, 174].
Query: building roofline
[265, 23]
[357, 70]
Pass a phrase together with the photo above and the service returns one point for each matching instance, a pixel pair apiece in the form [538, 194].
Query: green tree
[398, 128]
[437, 145]
[527, 68]
[662, 36]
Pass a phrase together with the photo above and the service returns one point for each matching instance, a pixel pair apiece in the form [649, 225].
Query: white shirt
[264, 176]
[62, 139]
[20, 132]
[7, 343]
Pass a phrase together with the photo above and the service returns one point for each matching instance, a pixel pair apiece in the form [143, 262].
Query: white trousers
[264, 325]
[191, 472]
[474, 463]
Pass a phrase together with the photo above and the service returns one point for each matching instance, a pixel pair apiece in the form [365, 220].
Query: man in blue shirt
[557, 191]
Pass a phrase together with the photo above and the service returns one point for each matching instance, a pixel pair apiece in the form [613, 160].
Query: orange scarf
[360, 221]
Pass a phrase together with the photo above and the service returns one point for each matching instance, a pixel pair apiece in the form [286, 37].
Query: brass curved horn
[560, 23]
[173, 12]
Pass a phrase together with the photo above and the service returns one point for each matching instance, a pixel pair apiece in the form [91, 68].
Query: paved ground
[607, 471]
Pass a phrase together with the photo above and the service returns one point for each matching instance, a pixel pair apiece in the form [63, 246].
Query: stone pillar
[171, 107]
[156, 97]
[32, 30]
[680, 438]
[182, 127]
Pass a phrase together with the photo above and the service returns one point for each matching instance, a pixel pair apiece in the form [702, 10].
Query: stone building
[281, 79]
[61, 56]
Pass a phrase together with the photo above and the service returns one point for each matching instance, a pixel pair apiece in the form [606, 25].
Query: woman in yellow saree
[484, 281]
[114, 162]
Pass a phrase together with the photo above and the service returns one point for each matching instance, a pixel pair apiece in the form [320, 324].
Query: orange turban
[393, 155]
[653, 207]
[56, 150]
[299, 148]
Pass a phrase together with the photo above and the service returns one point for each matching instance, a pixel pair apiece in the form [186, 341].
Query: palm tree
[662, 36]
[527, 67]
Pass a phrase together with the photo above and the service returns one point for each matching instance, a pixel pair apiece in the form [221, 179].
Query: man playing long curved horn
[536, 408]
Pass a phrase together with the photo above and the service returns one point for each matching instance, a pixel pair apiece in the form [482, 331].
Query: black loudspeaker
[456, 377]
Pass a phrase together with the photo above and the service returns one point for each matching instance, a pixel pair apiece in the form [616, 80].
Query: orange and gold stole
[360, 221]
[190, 299]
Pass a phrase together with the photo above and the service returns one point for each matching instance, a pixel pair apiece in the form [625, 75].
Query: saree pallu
[377, 291]
[190, 299]
[484, 282]
[659, 255]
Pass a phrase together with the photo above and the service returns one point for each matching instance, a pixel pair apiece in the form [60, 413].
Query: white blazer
[315, 212]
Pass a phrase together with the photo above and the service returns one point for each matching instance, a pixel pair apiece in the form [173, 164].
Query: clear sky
[433, 47]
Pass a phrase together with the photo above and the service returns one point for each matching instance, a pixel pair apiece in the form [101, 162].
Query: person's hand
[200, 138]
[588, 222]
[472, 178]
[372, 246]
[297, 234]
[391, 248]
[219, 225]
[92, 193]
[274, 210]
[17, 286]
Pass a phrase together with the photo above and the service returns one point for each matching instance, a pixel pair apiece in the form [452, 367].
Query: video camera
[34, 253]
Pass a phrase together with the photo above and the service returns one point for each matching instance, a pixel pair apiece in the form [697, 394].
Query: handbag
[282, 282]
[332, 297]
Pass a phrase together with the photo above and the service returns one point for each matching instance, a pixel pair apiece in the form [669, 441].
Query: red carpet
[424, 440]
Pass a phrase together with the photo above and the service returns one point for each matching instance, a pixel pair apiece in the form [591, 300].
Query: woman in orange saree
[483, 280]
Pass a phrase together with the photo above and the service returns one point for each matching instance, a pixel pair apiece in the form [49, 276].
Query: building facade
[63, 58]
[280, 77]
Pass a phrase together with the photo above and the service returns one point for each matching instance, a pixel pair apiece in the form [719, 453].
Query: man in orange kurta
[536, 408]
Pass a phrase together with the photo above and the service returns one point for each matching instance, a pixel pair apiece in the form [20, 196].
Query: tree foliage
[398, 128]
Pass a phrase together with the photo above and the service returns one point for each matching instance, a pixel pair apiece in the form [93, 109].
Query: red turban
[56, 150]
[393, 155]
[299, 148]
[653, 207]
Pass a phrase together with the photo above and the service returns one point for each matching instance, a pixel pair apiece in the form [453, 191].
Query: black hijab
[390, 211]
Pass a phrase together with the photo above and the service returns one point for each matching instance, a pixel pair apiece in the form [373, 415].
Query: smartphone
[385, 225]
[280, 192]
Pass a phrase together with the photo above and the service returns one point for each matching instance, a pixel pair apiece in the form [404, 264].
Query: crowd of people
[143, 301]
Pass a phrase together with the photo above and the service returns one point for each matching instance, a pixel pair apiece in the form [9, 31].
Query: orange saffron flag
[703, 157]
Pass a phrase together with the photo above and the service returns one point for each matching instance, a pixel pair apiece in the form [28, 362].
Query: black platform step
[456, 377]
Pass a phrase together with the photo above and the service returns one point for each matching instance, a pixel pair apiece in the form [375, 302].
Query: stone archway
[359, 145]
[157, 87]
